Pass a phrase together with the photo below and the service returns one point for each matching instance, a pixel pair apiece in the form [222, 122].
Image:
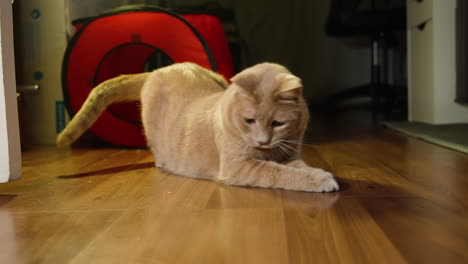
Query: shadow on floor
[6, 198]
[107, 171]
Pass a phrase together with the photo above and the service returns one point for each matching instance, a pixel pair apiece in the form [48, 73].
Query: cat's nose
[263, 142]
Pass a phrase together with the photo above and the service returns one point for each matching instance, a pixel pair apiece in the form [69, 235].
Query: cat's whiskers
[282, 150]
[297, 142]
[286, 145]
[285, 151]
[288, 149]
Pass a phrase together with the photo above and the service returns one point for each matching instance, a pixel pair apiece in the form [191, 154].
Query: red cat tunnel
[135, 39]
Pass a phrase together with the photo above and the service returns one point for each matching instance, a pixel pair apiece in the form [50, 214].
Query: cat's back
[186, 80]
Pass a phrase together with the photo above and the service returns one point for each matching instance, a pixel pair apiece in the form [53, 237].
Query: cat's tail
[119, 89]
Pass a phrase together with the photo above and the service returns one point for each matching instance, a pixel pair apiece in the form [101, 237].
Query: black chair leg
[375, 76]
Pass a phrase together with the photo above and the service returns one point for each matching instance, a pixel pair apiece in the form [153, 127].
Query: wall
[446, 109]
[432, 64]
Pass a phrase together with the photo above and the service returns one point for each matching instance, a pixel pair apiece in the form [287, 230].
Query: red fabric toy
[131, 40]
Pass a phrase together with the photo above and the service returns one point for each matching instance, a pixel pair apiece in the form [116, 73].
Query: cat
[247, 133]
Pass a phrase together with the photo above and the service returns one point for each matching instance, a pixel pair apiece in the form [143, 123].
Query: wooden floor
[402, 201]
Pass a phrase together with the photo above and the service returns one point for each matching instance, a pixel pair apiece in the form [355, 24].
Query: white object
[10, 153]
[432, 63]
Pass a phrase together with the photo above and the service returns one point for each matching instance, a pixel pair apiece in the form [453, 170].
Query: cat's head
[268, 109]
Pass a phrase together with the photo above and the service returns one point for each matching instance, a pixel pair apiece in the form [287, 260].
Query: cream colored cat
[248, 133]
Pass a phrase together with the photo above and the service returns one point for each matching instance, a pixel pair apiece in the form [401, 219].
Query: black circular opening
[156, 60]
[128, 58]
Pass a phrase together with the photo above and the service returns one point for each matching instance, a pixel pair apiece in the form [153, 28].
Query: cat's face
[266, 125]
[268, 111]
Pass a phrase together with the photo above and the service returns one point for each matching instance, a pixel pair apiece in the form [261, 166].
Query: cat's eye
[249, 120]
[276, 123]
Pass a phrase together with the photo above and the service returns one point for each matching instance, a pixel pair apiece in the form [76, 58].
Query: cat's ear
[289, 87]
[246, 80]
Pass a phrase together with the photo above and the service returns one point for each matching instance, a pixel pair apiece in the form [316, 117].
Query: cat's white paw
[321, 181]
[329, 185]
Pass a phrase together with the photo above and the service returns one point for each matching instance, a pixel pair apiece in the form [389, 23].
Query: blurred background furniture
[379, 21]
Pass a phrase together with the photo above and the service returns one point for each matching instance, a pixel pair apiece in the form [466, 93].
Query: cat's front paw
[321, 181]
[329, 185]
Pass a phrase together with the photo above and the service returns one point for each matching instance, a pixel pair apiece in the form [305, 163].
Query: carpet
[454, 136]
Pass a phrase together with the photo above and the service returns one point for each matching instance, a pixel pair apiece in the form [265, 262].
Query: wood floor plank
[362, 175]
[39, 170]
[423, 231]
[426, 177]
[98, 186]
[208, 236]
[345, 233]
[238, 197]
[49, 237]
[309, 201]
[440, 171]
[176, 193]
[39, 155]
